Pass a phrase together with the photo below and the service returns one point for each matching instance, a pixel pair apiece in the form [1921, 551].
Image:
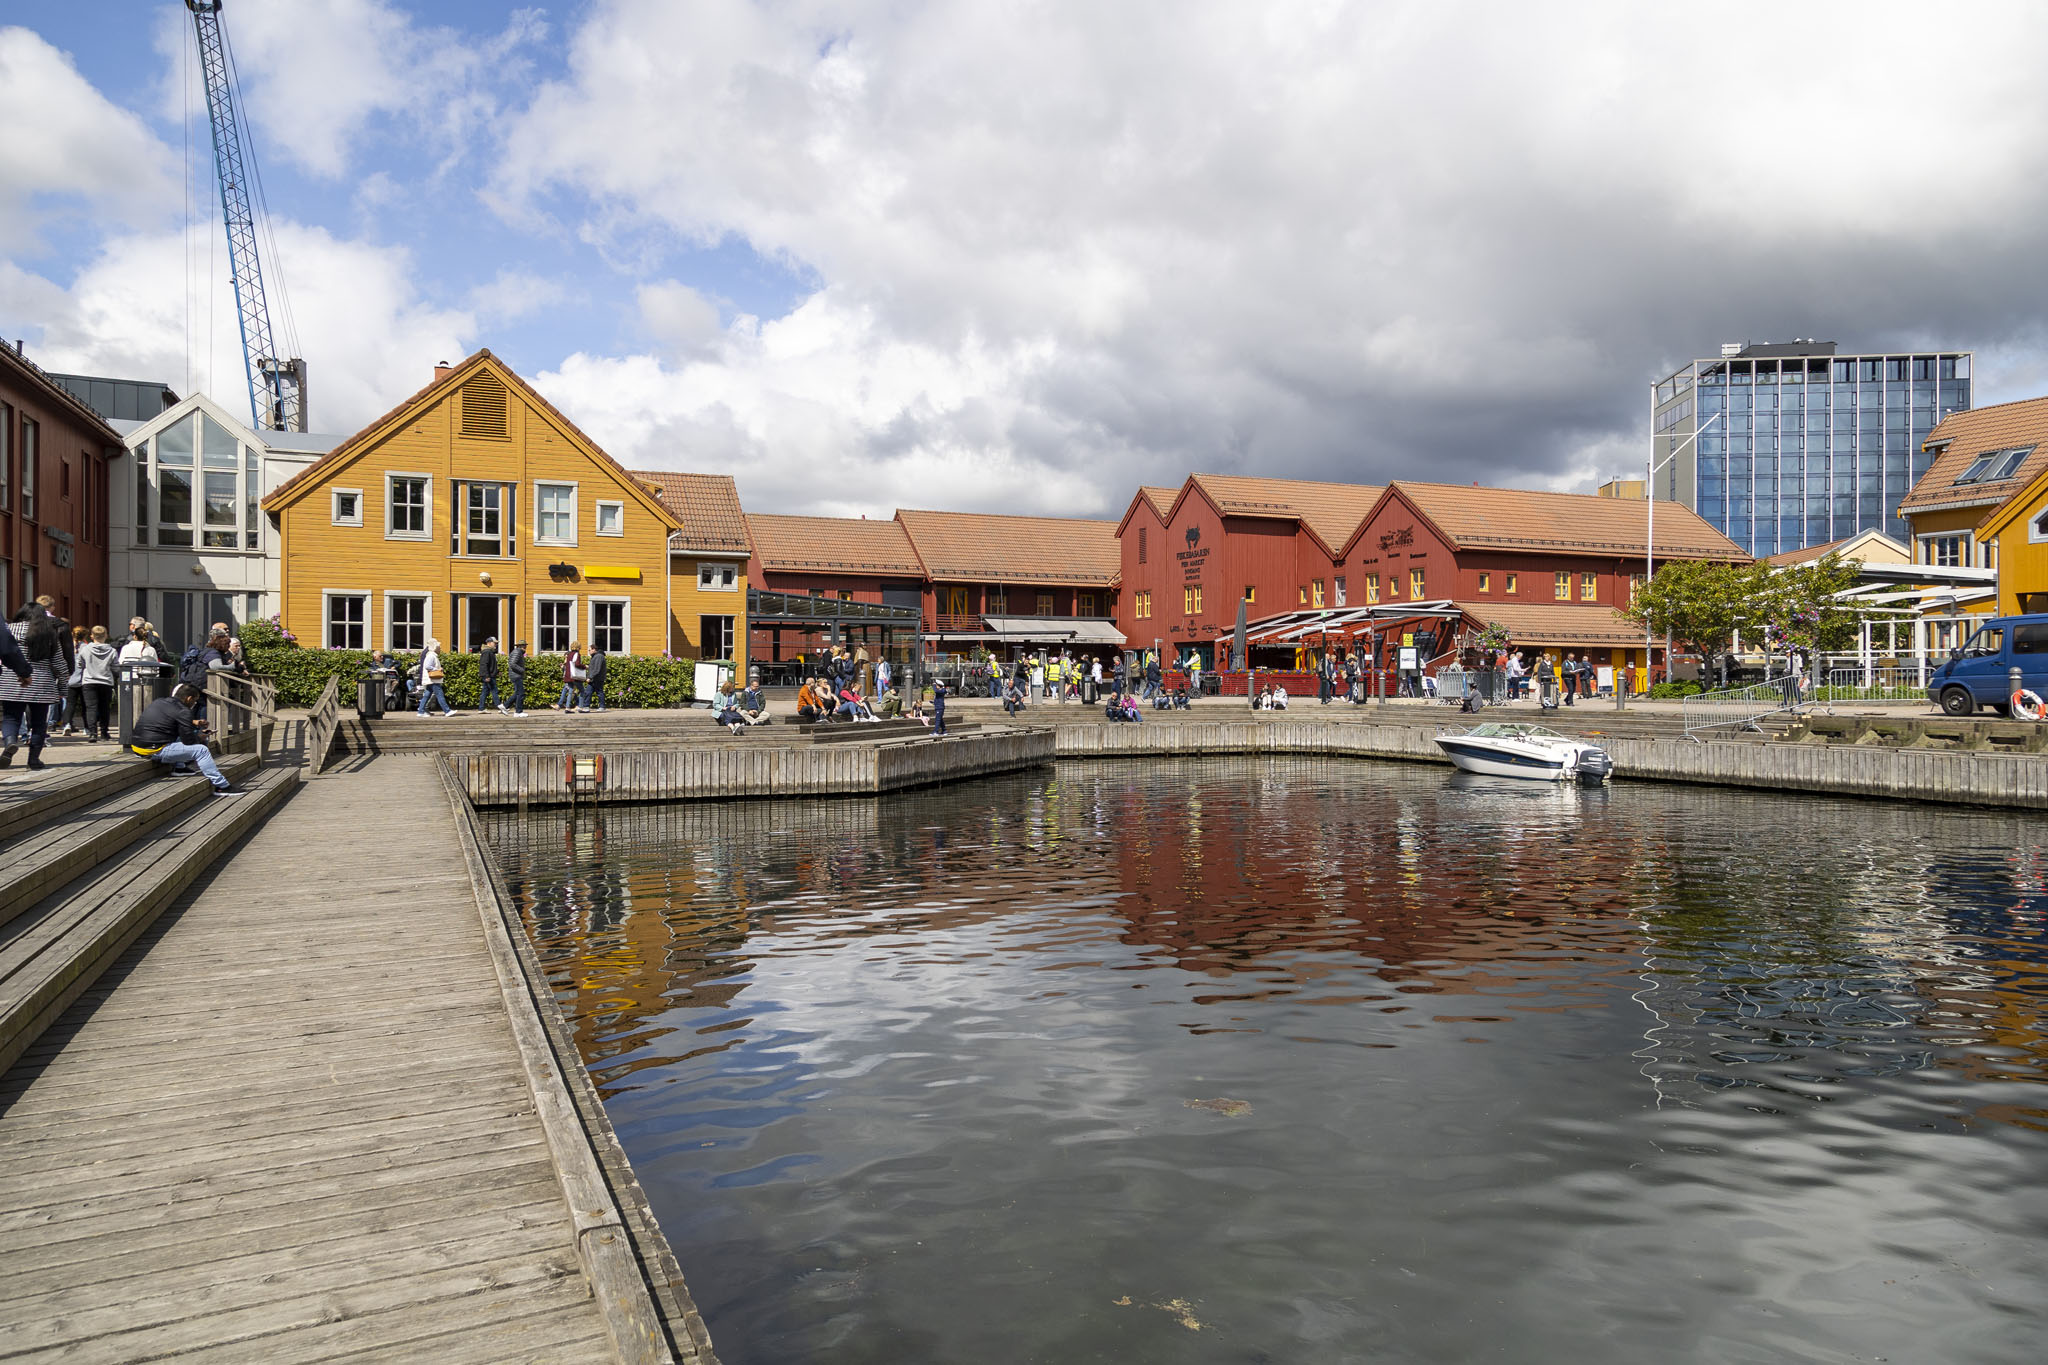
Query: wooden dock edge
[1943, 777]
[634, 1276]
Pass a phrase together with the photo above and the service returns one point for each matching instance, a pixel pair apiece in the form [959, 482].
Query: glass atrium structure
[1797, 446]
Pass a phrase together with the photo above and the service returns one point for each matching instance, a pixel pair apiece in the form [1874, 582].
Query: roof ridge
[1012, 516]
[63, 395]
[1988, 407]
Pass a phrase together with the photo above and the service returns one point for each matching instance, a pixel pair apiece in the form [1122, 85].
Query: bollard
[2015, 685]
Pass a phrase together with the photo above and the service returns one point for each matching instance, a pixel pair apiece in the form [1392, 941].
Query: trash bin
[1088, 691]
[370, 697]
[136, 686]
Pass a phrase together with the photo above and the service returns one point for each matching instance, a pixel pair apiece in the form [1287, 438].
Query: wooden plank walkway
[292, 1123]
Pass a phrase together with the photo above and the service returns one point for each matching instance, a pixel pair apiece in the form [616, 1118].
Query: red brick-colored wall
[71, 495]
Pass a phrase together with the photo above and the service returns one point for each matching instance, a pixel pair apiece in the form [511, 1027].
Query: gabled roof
[992, 547]
[1963, 436]
[2026, 499]
[311, 477]
[1872, 545]
[32, 374]
[1158, 501]
[708, 506]
[290, 442]
[1471, 517]
[1332, 512]
[832, 545]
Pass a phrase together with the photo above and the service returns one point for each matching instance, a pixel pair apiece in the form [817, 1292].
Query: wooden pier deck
[295, 1122]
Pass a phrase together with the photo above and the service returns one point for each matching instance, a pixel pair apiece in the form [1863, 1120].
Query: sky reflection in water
[1531, 1074]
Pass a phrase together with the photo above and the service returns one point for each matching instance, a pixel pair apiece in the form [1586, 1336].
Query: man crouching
[166, 733]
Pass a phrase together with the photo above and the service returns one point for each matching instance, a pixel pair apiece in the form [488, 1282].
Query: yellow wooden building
[473, 509]
[708, 561]
[2019, 530]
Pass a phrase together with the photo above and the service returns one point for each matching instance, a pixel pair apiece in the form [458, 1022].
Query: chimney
[442, 369]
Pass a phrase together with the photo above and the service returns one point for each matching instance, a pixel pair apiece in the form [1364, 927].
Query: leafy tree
[1698, 602]
[1703, 604]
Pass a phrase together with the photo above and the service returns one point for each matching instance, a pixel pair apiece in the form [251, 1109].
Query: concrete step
[52, 953]
[74, 842]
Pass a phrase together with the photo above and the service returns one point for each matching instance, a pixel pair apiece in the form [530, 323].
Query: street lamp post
[1650, 519]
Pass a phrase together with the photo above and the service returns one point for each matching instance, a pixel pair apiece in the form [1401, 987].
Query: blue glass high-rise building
[1794, 445]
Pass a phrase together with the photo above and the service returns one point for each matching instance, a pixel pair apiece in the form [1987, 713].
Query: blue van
[1979, 674]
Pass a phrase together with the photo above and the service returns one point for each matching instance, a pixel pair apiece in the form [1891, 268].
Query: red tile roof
[994, 548]
[1967, 435]
[1160, 498]
[832, 545]
[1893, 552]
[708, 506]
[1523, 519]
[1559, 624]
[1332, 511]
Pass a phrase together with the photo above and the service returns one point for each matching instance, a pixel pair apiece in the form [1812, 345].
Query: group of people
[55, 676]
[501, 680]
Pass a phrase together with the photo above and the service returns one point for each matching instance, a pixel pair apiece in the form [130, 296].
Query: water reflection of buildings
[1753, 946]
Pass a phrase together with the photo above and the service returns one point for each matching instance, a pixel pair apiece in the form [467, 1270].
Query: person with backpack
[515, 668]
[487, 677]
[593, 684]
[572, 678]
[25, 701]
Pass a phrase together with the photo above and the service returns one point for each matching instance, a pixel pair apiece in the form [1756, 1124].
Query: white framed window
[718, 577]
[408, 621]
[554, 514]
[611, 624]
[348, 506]
[611, 518]
[346, 619]
[554, 624]
[408, 506]
[2037, 526]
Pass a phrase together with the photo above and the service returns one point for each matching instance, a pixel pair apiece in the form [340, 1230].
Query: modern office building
[1787, 445]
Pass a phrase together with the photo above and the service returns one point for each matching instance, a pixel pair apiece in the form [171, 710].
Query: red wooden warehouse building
[54, 453]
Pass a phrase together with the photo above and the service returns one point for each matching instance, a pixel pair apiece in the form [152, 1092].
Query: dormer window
[2037, 527]
[1995, 465]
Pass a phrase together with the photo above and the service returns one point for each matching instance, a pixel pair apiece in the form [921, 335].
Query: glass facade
[1780, 452]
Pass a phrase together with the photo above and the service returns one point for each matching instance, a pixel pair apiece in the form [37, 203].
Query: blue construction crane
[277, 388]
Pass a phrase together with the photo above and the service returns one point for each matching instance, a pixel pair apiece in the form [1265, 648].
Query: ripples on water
[1649, 1074]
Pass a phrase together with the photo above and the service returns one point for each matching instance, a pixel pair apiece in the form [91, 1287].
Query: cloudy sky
[1027, 256]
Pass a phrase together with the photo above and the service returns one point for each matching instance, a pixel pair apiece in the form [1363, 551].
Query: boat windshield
[1504, 730]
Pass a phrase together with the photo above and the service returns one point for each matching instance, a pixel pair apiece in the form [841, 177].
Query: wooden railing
[241, 711]
[321, 723]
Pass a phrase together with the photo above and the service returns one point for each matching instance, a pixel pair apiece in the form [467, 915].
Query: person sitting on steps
[166, 733]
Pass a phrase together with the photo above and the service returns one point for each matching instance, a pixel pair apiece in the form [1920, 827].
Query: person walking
[572, 678]
[515, 669]
[938, 708]
[1151, 675]
[25, 701]
[487, 677]
[885, 676]
[97, 663]
[168, 732]
[593, 684]
[1571, 679]
[431, 690]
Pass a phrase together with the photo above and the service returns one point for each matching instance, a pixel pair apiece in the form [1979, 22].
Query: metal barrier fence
[1874, 683]
[1740, 708]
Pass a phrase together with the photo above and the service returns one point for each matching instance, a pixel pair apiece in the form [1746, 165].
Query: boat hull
[1499, 761]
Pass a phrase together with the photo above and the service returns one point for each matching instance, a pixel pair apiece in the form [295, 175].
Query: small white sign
[1409, 662]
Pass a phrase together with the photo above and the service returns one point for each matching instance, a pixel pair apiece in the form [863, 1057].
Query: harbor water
[1319, 1060]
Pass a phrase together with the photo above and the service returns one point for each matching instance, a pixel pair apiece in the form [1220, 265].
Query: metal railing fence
[1872, 683]
[1740, 708]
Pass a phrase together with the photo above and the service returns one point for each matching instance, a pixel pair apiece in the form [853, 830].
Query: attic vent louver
[483, 409]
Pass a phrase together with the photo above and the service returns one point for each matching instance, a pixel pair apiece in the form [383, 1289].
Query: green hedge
[1672, 691]
[629, 680]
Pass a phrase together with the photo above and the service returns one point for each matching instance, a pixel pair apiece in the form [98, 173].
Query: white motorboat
[1505, 749]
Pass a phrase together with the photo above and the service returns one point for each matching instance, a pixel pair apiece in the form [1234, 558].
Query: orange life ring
[2027, 705]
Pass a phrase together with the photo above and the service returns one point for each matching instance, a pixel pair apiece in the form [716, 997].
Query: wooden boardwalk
[293, 1122]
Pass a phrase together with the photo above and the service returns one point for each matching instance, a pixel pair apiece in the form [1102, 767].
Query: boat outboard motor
[1595, 767]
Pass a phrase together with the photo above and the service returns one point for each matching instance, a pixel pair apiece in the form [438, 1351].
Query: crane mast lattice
[277, 388]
